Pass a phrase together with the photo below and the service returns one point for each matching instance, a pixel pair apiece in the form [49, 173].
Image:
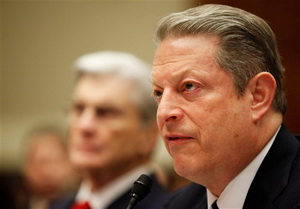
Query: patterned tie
[81, 205]
[214, 205]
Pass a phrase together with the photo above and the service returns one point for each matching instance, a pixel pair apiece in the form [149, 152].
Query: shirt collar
[103, 197]
[235, 192]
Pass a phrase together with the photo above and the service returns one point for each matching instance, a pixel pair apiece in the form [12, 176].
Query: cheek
[123, 140]
[159, 122]
[71, 145]
[213, 127]
[73, 135]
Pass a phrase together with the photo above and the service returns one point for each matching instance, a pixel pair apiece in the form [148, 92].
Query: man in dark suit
[217, 78]
[112, 131]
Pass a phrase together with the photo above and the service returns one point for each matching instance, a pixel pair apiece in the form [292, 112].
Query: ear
[262, 88]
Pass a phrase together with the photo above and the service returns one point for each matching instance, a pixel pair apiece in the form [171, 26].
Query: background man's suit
[154, 200]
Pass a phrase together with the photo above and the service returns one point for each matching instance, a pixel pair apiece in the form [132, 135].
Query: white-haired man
[112, 131]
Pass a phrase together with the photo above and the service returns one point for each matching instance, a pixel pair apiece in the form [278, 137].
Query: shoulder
[63, 203]
[290, 198]
[191, 196]
[277, 179]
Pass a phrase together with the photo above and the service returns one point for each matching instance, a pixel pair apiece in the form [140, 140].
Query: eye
[106, 112]
[77, 108]
[189, 87]
[157, 94]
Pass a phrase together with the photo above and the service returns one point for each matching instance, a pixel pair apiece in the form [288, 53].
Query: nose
[169, 108]
[86, 122]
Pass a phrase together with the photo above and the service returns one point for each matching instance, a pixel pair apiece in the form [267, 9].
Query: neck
[259, 135]
[99, 178]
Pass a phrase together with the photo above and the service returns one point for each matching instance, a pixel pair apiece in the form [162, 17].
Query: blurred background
[40, 39]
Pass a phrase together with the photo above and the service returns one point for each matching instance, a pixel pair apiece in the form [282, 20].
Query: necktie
[81, 205]
[214, 205]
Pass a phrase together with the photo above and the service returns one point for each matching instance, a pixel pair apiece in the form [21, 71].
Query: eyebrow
[183, 73]
[153, 82]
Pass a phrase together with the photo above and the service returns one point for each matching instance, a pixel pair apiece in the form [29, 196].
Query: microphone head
[141, 187]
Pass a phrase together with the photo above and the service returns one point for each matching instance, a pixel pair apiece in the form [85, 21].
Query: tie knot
[214, 205]
[81, 205]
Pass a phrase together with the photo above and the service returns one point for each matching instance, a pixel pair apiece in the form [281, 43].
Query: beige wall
[41, 39]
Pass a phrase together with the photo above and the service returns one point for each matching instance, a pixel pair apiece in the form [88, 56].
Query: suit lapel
[64, 203]
[272, 176]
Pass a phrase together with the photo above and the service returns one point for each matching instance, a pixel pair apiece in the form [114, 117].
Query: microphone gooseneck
[141, 187]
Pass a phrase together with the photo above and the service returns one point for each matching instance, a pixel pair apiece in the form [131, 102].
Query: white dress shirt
[105, 196]
[234, 194]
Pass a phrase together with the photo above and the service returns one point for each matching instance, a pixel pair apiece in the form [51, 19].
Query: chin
[183, 168]
[180, 168]
[83, 163]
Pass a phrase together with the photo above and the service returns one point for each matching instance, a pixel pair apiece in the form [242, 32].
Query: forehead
[185, 54]
[108, 87]
[186, 46]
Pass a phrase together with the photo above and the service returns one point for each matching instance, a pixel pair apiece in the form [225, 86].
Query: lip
[176, 142]
[177, 137]
[88, 148]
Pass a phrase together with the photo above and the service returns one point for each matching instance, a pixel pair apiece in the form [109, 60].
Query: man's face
[47, 167]
[105, 127]
[201, 117]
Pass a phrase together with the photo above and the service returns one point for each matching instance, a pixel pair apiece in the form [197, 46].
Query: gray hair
[126, 66]
[247, 43]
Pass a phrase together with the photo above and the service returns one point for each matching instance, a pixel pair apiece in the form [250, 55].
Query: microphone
[141, 187]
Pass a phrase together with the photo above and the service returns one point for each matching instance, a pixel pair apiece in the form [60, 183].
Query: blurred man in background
[47, 171]
[112, 131]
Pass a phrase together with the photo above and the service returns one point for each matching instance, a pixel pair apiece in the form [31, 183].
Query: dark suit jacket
[276, 184]
[154, 200]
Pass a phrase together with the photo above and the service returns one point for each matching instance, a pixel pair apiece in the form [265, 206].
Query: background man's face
[105, 126]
